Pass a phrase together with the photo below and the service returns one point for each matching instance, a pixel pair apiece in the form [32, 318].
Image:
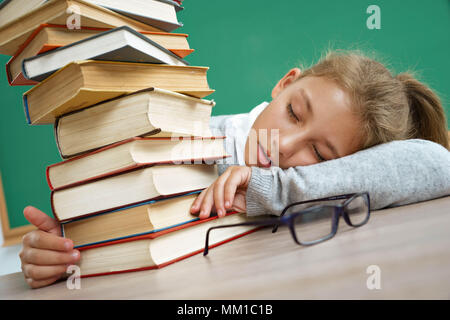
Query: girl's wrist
[259, 191]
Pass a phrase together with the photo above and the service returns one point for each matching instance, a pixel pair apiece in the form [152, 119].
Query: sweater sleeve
[395, 173]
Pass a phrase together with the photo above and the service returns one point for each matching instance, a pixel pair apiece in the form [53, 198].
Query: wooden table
[409, 244]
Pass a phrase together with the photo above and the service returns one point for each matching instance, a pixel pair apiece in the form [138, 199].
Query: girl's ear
[287, 79]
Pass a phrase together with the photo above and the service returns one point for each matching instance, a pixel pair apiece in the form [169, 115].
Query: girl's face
[314, 121]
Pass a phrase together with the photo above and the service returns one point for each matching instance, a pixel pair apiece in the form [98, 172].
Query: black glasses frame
[338, 211]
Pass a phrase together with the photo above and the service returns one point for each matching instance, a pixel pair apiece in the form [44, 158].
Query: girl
[344, 125]
[343, 104]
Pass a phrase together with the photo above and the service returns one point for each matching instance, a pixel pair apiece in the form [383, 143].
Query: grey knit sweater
[395, 173]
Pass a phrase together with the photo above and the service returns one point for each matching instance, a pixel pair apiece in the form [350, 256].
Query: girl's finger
[41, 283]
[231, 186]
[36, 272]
[44, 240]
[41, 220]
[48, 257]
[197, 202]
[218, 197]
[218, 192]
[207, 204]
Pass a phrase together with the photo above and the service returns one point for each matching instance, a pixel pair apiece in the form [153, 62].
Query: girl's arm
[394, 173]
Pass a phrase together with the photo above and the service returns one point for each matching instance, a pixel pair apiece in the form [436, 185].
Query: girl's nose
[289, 143]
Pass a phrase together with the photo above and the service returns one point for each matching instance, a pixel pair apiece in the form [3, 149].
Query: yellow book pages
[131, 221]
[85, 83]
[15, 33]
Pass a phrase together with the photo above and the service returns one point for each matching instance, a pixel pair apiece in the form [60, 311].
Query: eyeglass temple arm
[343, 196]
[267, 222]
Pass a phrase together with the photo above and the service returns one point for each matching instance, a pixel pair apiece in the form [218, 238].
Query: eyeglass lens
[314, 225]
[357, 210]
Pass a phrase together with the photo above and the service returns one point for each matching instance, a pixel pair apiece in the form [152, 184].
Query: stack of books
[130, 123]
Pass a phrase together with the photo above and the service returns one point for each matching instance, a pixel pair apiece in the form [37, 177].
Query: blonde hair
[390, 107]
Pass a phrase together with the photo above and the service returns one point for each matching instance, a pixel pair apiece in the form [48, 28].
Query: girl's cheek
[301, 158]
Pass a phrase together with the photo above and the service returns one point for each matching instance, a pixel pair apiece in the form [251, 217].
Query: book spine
[55, 215]
[25, 106]
[8, 71]
[55, 134]
[47, 175]
[63, 234]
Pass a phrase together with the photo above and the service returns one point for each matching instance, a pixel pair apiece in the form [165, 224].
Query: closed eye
[291, 112]
[318, 155]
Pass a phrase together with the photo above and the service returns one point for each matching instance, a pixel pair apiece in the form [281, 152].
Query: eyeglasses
[311, 223]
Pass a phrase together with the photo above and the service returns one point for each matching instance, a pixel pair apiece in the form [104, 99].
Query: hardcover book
[84, 83]
[119, 44]
[157, 250]
[16, 32]
[149, 112]
[149, 217]
[130, 188]
[48, 37]
[134, 153]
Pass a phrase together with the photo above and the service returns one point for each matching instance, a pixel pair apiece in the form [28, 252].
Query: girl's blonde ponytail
[427, 117]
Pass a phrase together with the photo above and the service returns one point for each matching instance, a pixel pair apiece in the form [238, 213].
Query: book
[119, 44]
[11, 10]
[146, 218]
[48, 37]
[157, 250]
[84, 83]
[134, 153]
[160, 14]
[15, 33]
[149, 112]
[130, 188]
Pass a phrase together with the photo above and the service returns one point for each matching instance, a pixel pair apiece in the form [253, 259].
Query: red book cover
[20, 80]
[131, 167]
[158, 234]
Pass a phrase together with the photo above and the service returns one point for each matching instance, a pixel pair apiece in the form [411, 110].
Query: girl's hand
[45, 254]
[227, 192]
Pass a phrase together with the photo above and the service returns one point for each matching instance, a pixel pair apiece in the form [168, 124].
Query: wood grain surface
[410, 244]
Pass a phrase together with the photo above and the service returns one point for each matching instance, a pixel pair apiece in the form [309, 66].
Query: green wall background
[249, 46]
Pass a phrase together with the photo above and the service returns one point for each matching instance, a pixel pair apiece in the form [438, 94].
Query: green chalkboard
[248, 46]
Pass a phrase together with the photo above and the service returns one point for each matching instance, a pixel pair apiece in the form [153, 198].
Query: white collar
[242, 124]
